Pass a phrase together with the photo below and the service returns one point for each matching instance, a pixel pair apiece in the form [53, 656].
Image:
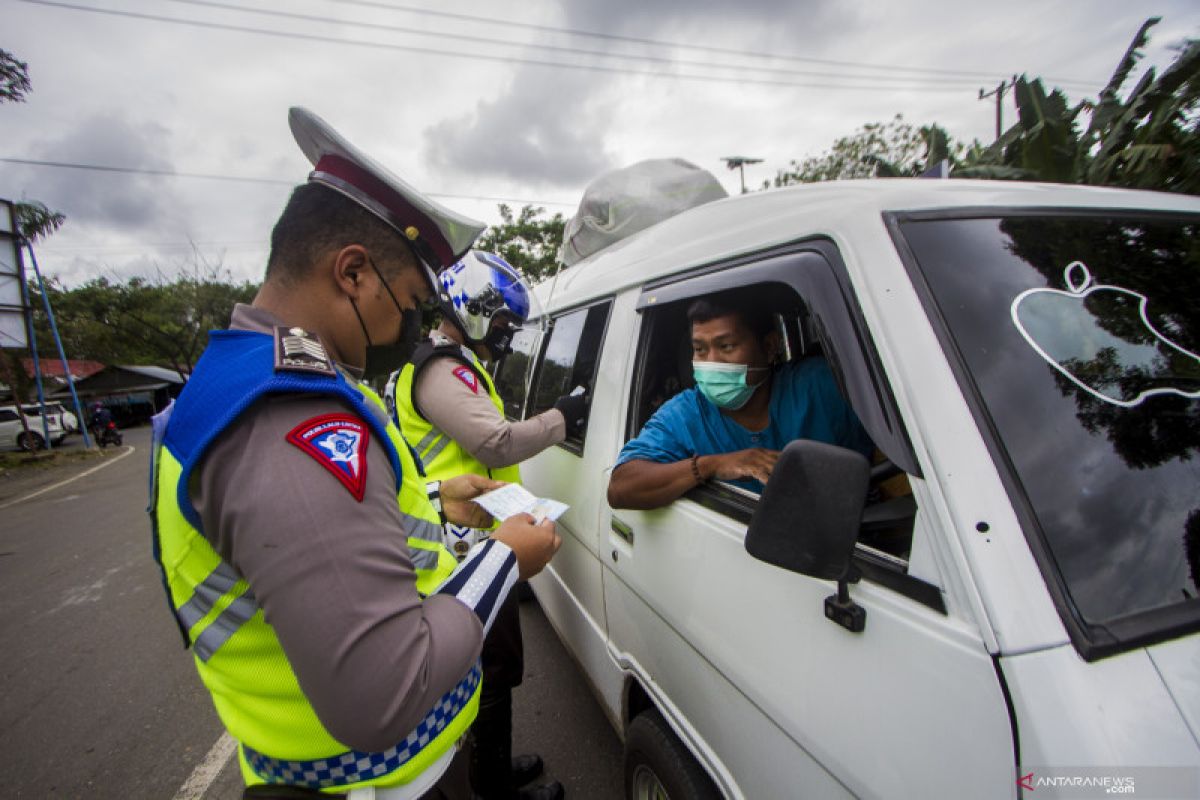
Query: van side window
[570, 358]
[515, 370]
[665, 369]
[7, 415]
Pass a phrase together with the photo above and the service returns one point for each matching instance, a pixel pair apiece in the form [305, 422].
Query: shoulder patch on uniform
[467, 376]
[298, 350]
[338, 442]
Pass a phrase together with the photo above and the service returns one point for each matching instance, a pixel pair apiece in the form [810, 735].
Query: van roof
[758, 221]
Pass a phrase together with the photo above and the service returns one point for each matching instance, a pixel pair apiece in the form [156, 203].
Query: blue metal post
[37, 367]
[87, 441]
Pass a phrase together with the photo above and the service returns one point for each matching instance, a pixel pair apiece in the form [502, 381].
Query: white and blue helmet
[483, 288]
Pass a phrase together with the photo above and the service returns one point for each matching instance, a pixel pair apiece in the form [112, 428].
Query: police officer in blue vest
[301, 546]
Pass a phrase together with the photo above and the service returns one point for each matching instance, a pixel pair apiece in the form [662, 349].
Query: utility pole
[999, 93]
[739, 163]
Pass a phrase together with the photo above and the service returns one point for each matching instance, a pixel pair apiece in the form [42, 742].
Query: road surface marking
[129, 449]
[208, 769]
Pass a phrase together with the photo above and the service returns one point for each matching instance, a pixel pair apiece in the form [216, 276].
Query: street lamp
[739, 163]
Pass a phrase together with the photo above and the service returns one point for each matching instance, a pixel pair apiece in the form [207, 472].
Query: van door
[569, 589]
[773, 698]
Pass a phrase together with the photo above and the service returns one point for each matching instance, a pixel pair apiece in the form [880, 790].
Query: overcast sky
[479, 102]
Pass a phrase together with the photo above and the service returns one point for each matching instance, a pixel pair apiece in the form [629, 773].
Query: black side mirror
[808, 518]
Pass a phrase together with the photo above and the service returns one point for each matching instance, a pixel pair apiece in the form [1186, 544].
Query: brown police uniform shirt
[468, 416]
[332, 574]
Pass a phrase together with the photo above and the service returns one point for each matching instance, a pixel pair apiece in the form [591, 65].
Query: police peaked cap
[439, 236]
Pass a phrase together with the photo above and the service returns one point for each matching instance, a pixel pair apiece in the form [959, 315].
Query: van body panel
[586, 640]
[710, 712]
[687, 587]
[1115, 712]
[1178, 662]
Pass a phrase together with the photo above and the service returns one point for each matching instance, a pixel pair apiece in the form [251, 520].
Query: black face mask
[384, 359]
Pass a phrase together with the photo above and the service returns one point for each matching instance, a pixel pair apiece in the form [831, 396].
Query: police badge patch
[338, 442]
[297, 350]
[467, 376]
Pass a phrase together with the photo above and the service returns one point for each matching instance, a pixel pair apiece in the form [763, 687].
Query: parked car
[1025, 356]
[58, 412]
[14, 436]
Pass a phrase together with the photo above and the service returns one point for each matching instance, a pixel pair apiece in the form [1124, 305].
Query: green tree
[526, 240]
[1149, 140]
[140, 321]
[36, 221]
[14, 78]
[876, 150]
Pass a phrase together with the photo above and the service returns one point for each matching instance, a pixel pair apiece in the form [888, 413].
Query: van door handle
[623, 530]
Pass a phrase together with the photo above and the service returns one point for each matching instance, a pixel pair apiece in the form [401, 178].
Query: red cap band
[381, 199]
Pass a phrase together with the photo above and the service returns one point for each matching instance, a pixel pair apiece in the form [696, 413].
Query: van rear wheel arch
[658, 764]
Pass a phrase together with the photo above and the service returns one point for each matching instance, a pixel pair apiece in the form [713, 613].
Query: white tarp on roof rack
[622, 202]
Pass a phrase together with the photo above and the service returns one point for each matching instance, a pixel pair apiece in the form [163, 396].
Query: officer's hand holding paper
[459, 499]
[513, 498]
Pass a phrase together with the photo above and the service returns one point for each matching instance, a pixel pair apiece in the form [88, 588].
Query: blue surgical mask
[724, 384]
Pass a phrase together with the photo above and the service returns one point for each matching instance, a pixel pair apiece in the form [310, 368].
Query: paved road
[100, 700]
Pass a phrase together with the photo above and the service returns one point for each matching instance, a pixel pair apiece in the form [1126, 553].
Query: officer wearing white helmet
[300, 546]
[447, 406]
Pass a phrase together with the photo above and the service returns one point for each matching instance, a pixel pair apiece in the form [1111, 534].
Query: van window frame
[849, 347]
[534, 355]
[1092, 642]
[571, 446]
[870, 390]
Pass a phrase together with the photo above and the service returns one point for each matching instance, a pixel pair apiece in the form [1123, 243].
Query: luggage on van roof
[624, 201]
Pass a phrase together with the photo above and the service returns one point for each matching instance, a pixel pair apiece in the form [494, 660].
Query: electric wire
[560, 49]
[164, 173]
[682, 45]
[480, 56]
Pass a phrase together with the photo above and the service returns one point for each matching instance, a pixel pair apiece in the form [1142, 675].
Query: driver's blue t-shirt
[805, 404]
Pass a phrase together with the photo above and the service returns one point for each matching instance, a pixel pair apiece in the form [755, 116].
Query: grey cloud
[550, 127]
[545, 130]
[121, 201]
[650, 20]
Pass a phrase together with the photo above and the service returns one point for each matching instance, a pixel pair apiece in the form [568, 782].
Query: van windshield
[1081, 337]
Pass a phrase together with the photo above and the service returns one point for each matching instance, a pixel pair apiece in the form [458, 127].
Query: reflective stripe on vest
[207, 596]
[354, 766]
[426, 544]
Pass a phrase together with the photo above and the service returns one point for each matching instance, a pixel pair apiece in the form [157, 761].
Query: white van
[1021, 619]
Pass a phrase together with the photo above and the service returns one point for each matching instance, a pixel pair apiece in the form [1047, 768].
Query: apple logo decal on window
[1101, 339]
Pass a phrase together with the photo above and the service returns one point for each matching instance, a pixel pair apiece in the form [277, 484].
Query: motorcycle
[107, 434]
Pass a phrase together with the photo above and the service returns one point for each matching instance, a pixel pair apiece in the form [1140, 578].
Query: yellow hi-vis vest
[432, 561]
[441, 456]
[239, 657]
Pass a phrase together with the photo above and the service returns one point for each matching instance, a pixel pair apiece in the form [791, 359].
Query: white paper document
[513, 498]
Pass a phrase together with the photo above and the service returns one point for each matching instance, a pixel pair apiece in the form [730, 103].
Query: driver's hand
[755, 463]
[457, 494]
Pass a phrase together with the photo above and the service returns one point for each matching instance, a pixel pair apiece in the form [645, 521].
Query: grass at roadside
[11, 463]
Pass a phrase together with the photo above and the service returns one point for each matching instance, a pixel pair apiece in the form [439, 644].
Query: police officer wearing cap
[300, 545]
[447, 405]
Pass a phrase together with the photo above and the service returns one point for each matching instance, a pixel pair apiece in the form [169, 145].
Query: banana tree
[1150, 140]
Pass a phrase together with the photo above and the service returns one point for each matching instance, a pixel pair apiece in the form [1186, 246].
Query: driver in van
[746, 405]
